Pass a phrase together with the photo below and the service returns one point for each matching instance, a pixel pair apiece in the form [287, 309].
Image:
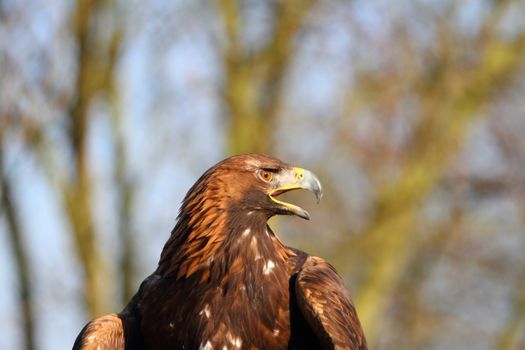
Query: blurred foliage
[412, 113]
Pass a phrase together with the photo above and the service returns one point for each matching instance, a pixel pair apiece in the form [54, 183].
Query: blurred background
[412, 113]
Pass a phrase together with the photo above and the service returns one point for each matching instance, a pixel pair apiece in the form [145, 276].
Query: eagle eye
[265, 175]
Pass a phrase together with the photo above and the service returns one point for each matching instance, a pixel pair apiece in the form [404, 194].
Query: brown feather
[327, 307]
[103, 333]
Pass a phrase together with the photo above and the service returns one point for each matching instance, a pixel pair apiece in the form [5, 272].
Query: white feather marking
[206, 346]
[237, 342]
[276, 332]
[246, 232]
[210, 260]
[268, 267]
[206, 311]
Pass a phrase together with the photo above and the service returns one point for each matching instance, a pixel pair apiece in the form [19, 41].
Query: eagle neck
[219, 243]
[213, 238]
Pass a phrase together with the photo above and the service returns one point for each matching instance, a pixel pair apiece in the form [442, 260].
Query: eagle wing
[326, 306]
[115, 331]
[105, 332]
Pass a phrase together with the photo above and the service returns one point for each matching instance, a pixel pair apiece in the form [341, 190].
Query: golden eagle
[226, 281]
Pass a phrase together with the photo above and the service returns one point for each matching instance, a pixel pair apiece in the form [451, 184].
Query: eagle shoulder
[327, 307]
[116, 331]
[105, 332]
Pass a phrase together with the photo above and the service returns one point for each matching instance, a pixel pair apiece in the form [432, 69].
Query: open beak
[294, 179]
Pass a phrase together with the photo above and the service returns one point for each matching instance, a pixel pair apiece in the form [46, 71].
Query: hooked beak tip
[298, 178]
[311, 182]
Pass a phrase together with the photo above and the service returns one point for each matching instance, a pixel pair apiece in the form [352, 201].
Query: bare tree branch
[21, 258]
[253, 85]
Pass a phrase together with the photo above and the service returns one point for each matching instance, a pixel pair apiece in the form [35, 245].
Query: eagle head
[251, 183]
